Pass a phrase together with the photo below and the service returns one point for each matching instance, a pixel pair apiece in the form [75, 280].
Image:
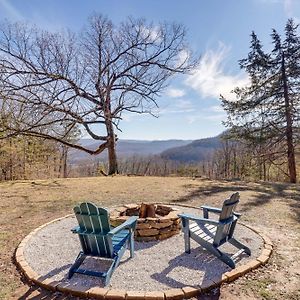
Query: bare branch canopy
[86, 80]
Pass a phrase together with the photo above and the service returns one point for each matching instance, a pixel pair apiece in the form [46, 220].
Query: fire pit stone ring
[156, 221]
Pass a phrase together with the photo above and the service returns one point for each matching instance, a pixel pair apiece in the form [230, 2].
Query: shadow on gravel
[264, 193]
[210, 270]
[55, 272]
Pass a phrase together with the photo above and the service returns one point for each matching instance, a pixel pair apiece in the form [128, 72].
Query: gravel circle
[156, 266]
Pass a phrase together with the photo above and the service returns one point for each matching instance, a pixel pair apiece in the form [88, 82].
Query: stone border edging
[114, 294]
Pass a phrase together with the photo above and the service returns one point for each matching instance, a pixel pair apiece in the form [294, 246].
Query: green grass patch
[261, 287]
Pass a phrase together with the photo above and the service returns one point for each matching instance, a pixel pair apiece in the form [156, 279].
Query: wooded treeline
[232, 161]
[32, 158]
[35, 158]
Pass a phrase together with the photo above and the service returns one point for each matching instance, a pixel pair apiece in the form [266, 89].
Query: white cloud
[209, 78]
[213, 113]
[177, 111]
[216, 108]
[182, 58]
[152, 33]
[182, 103]
[175, 93]
[167, 111]
[192, 119]
[10, 10]
[178, 106]
[288, 7]
[217, 117]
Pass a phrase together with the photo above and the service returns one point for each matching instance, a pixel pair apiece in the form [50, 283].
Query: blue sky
[218, 30]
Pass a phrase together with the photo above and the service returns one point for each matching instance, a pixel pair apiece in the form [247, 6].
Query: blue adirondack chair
[211, 234]
[98, 239]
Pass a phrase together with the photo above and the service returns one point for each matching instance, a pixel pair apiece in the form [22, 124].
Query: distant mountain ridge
[126, 148]
[195, 151]
[185, 151]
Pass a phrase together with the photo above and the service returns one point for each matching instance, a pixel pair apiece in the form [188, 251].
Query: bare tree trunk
[10, 160]
[112, 155]
[63, 162]
[24, 159]
[289, 127]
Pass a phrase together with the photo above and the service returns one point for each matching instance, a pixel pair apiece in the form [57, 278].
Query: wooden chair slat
[211, 234]
[97, 239]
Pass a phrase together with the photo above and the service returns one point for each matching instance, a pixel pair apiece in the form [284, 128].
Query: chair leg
[131, 244]
[215, 251]
[187, 244]
[187, 241]
[227, 260]
[79, 260]
[239, 245]
[220, 255]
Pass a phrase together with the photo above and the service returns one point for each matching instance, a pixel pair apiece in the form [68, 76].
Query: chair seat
[206, 232]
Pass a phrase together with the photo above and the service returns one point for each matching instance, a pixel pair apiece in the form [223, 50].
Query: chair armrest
[75, 229]
[130, 223]
[211, 209]
[207, 209]
[197, 219]
[215, 210]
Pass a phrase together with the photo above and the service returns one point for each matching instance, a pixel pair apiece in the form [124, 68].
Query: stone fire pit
[156, 221]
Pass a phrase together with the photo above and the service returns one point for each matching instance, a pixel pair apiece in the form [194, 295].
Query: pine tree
[267, 111]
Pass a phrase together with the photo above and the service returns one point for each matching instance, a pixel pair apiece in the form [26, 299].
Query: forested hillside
[127, 148]
[196, 151]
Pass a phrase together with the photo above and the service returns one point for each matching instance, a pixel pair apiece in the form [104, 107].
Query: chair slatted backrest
[225, 232]
[94, 223]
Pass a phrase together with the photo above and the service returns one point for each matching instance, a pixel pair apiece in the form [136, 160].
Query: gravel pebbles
[156, 266]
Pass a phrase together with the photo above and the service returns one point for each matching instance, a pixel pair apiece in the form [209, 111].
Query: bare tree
[52, 81]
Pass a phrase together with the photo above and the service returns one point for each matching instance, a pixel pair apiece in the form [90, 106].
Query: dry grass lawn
[274, 208]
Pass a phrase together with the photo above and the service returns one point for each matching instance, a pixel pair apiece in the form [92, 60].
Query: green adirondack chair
[98, 239]
[211, 234]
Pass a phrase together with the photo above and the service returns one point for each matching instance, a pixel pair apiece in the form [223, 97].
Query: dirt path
[274, 208]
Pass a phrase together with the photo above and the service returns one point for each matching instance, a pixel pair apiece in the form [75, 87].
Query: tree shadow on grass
[51, 184]
[263, 193]
[37, 293]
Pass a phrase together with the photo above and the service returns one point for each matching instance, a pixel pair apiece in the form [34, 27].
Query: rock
[164, 230]
[123, 218]
[147, 232]
[173, 215]
[143, 226]
[165, 220]
[162, 210]
[121, 209]
[131, 206]
[151, 219]
[176, 227]
[177, 221]
[161, 225]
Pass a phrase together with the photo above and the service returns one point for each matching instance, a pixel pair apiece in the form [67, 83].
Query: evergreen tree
[267, 111]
